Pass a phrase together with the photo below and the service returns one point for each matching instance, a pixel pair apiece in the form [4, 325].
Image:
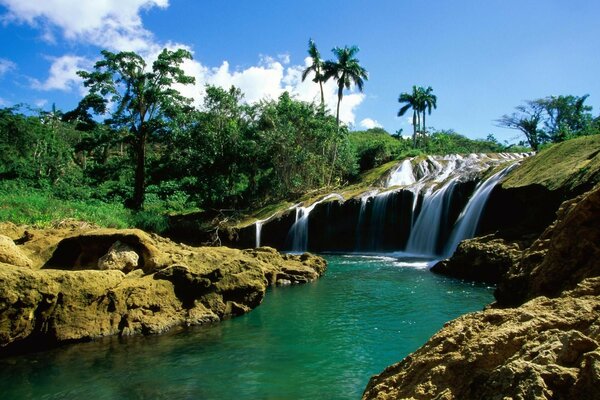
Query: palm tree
[412, 100]
[428, 101]
[316, 67]
[346, 70]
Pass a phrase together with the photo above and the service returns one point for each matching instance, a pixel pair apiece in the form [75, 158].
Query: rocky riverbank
[78, 283]
[540, 340]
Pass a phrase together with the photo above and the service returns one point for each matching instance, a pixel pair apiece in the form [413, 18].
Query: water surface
[321, 340]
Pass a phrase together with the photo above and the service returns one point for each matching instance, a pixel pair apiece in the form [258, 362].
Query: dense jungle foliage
[134, 150]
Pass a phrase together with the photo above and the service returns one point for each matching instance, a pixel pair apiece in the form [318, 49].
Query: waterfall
[403, 175]
[258, 224]
[467, 222]
[425, 233]
[298, 234]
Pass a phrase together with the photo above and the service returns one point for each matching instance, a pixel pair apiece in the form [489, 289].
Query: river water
[317, 341]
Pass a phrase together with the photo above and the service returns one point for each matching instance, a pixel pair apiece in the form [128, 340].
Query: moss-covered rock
[70, 298]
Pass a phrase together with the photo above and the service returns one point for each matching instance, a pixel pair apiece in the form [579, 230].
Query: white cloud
[117, 25]
[63, 74]
[268, 80]
[114, 24]
[6, 66]
[369, 123]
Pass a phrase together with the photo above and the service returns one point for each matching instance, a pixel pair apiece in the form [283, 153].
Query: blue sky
[482, 58]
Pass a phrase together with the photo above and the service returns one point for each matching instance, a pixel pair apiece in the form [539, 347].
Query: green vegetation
[552, 119]
[420, 100]
[25, 205]
[316, 67]
[145, 101]
[564, 165]
[155, 155]
[346, 70]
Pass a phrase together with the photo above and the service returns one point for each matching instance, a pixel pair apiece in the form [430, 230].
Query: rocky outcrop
[527, 200]
[546, 348]
[565, 254]
[483, 259]
[73, 298]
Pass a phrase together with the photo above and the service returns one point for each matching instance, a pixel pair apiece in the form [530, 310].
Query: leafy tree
[527, 119]
[316, 67]
[566, 116]
[144, 100]
[550, 119]
[346, 70]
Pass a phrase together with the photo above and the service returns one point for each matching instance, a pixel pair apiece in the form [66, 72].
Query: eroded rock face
[565, 254]
[173, 285]
[483, 259]
[545, 349]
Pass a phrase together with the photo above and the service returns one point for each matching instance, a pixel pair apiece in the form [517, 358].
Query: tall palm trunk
[414, 129]
[322, 96]
[424, 128]
[335, 144]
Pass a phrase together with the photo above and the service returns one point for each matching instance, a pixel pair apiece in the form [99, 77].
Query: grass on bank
[29, 206]
[567, 165]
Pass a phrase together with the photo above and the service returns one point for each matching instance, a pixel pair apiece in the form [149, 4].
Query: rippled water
[321, 340]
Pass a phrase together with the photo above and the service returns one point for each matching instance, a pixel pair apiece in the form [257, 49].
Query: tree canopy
[144, 100]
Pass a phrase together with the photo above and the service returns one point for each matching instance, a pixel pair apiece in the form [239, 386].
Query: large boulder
[73, 297]
[483, 259]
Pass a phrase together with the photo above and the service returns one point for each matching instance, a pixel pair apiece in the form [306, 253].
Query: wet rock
[483, 259]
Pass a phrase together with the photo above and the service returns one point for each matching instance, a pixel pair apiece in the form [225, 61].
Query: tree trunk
[424, 127]
[414, 129]
[322, 96]
[335, 145]
[140, 173]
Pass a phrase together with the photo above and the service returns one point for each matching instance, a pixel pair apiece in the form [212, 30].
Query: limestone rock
[11, 254]
[120, 256]
[72, 299]
[545, 349]
[483, 259]
[566, 253]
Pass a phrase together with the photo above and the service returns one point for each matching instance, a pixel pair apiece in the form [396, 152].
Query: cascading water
[298, 234]
[425, 207]
[403, 175]
[258, 224]
[467, 222]
[425, 233]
